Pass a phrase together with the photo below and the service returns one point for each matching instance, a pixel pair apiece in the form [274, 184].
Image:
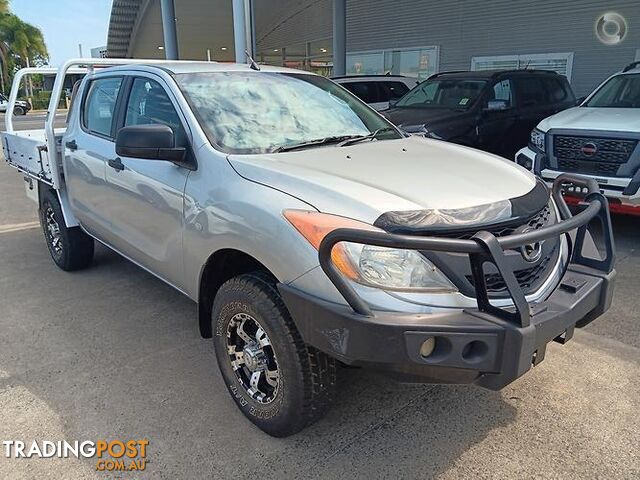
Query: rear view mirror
[497, 105]
[149, 142]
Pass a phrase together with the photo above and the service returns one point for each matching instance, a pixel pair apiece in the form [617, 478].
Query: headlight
[379, 267]
[538, 139]
[395, 269]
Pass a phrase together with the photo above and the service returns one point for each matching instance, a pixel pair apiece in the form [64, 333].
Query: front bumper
[623, 193]
[486, 345]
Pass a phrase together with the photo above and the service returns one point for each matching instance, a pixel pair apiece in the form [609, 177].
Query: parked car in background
[377, 90]
[598, 139]
[490, 110]
[21, 107]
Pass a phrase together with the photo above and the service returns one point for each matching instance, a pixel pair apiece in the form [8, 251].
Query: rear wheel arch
[63, 199]
[221, 266]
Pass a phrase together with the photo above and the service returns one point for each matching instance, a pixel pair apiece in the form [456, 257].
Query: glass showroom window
[561, 63]
[419, 63]
[315, 56]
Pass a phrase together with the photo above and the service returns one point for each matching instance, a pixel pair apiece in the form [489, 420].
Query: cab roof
[489, 74]
[180, 67]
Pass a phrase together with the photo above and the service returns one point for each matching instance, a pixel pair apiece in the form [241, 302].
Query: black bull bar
[484, 248]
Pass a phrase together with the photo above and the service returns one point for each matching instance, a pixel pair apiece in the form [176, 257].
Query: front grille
[592, 168]
[527, 278]
[609, 154]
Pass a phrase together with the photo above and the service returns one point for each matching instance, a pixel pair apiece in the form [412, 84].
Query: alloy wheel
[252, 358]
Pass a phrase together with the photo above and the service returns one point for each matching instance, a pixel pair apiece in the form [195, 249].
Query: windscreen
[445, 93]
[622, 91]
[258, 112]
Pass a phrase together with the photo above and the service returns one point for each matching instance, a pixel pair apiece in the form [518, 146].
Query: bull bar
[484, 248]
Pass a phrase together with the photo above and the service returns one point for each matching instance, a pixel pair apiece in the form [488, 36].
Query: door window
[100, 105]
[365, 91]
[394, 90]
[502, 91]
[149, 104]
[532, 91]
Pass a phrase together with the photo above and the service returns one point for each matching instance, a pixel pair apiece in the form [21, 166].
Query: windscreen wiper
[313, 143]
[361, 138]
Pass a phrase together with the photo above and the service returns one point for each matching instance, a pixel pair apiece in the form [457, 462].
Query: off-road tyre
[306, 377]
[70, 248]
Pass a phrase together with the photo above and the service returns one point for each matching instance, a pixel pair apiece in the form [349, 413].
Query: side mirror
[149, 142]
[393, 102]
[496, 105]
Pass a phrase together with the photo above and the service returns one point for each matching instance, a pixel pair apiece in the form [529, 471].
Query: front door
[88, 144]
[495, 128]
[146, 196]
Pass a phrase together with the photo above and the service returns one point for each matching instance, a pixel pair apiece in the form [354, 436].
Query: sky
[66, 23]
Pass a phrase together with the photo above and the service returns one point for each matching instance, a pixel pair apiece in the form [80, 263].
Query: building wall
[279, 23]
[201, 25]
[461, 29]
[467, 28]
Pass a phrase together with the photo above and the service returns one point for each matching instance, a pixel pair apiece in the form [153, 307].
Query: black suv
[490, 110]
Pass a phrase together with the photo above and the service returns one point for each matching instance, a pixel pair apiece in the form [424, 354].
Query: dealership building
[586, 40]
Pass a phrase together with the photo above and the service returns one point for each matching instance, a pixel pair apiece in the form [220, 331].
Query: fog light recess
[427, 347]
[474, 352]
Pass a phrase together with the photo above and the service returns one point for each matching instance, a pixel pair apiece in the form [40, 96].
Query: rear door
[146, 196]
[88, 144]
[535, 104]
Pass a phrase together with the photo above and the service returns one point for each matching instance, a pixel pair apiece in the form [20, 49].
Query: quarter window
[100, 105]
[149, 104]
[557, 90]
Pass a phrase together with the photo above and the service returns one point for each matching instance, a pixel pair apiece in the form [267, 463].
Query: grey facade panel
[280, 23]
[465, 28]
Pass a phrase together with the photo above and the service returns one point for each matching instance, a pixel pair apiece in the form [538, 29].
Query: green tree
[21, 43]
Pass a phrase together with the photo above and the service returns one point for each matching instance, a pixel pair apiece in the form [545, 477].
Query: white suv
[377, 90]
[599, 139]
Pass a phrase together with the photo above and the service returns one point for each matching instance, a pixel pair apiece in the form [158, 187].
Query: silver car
[312, 233]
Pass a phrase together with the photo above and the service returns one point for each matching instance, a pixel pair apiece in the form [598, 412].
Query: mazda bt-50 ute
[312, 232]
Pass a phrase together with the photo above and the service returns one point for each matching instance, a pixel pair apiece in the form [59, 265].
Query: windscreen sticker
[464, 101]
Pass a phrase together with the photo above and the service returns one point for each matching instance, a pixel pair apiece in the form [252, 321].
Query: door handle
[71, 145]
[116, 164]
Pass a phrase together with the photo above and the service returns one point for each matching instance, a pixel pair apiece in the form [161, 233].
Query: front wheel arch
[221, 266]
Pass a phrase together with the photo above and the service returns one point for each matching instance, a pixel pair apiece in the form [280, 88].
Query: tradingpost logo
[110, 455]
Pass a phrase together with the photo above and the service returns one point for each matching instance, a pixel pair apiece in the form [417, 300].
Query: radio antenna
[251, 61]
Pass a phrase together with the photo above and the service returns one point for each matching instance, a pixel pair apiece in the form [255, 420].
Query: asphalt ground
[111, 352]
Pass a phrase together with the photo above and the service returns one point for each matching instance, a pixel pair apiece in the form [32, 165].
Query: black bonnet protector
[514, 211]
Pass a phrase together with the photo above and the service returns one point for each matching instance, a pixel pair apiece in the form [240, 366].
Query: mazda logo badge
[589, 149]
[532, 252]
